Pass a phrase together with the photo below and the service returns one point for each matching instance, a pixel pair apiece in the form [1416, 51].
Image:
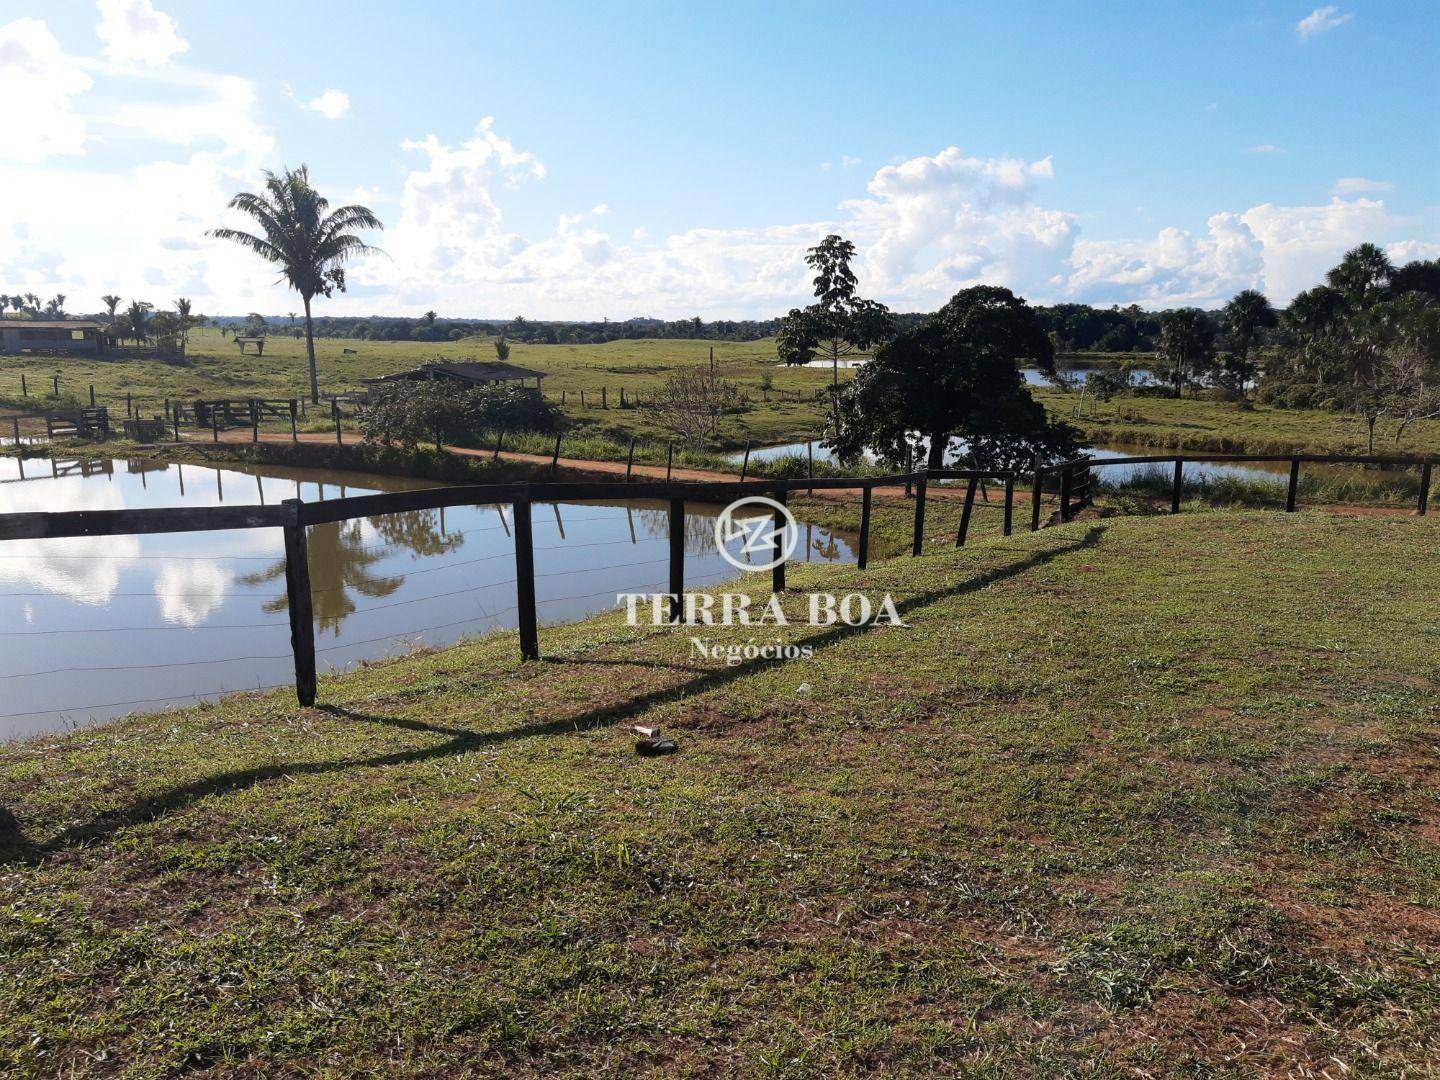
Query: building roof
[470, 370]
[50, 324]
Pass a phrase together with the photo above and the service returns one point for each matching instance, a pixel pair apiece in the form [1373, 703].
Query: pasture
[1107, 804]
[216, 369]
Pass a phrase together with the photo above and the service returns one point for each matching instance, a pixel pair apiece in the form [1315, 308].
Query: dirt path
[587, 465]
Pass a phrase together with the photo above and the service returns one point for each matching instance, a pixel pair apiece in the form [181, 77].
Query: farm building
[52, 336]
[469, 371]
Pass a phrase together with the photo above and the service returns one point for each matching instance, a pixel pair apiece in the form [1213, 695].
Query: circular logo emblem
[765, 529]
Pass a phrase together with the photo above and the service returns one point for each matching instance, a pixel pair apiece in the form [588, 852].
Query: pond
[1033, 377]
[96, 627]
[1266, 472]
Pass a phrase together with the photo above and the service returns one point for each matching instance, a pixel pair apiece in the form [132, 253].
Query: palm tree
[308, 241]
[111, 302]
[1247, 313]
[138, 318]
[182, 310]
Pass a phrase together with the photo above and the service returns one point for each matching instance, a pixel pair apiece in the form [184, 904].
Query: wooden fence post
[214, 424]
[918, 542]
[669, 459]
[57, 385]
[1424, 487]
[128, 410]
[1294, 487]
[1067, 480]
[254, 420]
[175, 417]
[1037, 495]
[24, 390]
[555, 457]
[1177, 486]
[297, 592]
[525, 582]
[677, 559]
[745, 465]
[499, 442]
[630, 461]
[1009, 501]
[863, 557]
[777, 574]
[294, 429]
[965, 513]
[15, 420]
[335, 412]
[92, 395]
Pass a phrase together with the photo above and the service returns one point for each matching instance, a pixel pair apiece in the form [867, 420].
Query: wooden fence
[294, 516]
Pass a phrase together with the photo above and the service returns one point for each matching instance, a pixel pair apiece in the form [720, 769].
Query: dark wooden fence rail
[294, 517]
[1295, 461]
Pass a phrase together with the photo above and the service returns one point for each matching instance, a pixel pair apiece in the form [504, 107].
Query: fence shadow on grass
[16, 847]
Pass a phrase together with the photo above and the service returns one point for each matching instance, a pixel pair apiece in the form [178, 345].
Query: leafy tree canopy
[956, 374]
[839, 323]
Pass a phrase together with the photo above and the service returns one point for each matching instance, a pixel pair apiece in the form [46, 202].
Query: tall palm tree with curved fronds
[183, 308]
[305, 238]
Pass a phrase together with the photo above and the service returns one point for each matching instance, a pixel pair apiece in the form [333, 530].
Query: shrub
[413, 413]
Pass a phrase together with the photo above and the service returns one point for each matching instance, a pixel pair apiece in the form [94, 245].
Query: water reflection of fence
[295, 517]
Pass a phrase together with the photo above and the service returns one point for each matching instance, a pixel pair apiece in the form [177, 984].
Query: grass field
[1225, 427]
[1109, 805]
[216, 369]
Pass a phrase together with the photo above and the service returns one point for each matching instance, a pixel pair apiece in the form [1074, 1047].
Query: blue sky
[674, 160]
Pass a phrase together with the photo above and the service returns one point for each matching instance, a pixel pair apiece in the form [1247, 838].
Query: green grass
[215, 368]
[1133, 796]
[1198, 423]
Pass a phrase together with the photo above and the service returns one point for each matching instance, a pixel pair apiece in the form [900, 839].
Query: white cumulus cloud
[134, 32]
[331, 104]
[40, 82]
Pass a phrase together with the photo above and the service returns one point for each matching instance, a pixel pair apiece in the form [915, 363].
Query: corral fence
[295, 516]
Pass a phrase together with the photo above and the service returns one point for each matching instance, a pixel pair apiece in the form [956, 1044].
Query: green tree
[137, 320]
[502, 349]
[956, 374]
[1187, 347]
[840, 323]
[1244, 317]
[182, 314]
[1420, 276]
[1362, 276]
[111, 302]
[305, 238]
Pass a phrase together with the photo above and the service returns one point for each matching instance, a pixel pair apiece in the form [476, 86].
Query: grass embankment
[1135, 796]
[1200, 423]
